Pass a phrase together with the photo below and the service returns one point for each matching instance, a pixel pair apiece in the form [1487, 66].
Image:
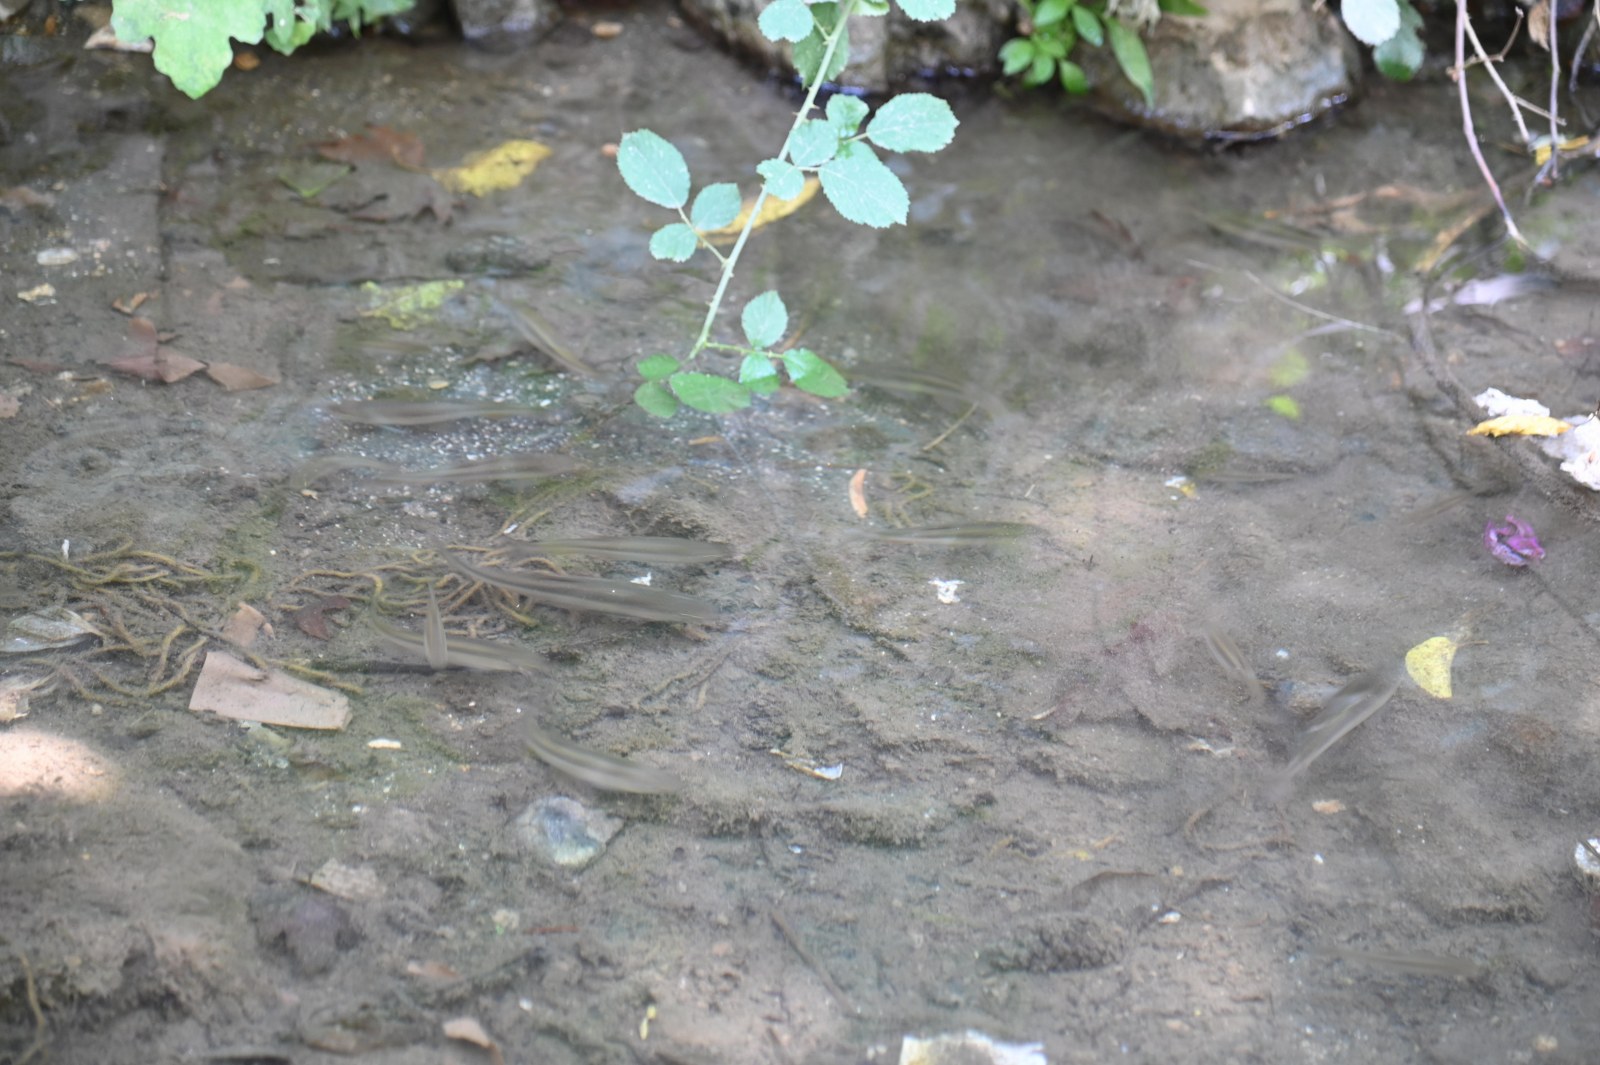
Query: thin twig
[806, 956]
[1583, 46]
[1488, 64]
[936, 441]
[1555, 97]
[1466, 124]
[1313, 312]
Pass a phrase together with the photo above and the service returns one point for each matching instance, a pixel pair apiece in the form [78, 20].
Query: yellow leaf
[502, 167]
[1520, 425]
[407, 306]
[1429, 665]
[1284, 405]
[771, 211]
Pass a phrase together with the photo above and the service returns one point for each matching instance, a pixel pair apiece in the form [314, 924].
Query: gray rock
[883, 51]
[1247, 69]
[564, 831]
[506, 25]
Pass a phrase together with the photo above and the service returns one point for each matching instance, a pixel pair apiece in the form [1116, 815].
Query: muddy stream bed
[1029, 803]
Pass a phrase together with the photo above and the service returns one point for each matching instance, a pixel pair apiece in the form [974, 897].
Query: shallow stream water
[1055, 818]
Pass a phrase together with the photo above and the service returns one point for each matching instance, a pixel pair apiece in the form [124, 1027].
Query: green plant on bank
[191, 36]
[1390, 27]
[1052, 29]
[837, 147]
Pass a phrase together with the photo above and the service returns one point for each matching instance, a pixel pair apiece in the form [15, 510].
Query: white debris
[969, 1048]
[946, 590]
[1578, 450]
[1496, 403]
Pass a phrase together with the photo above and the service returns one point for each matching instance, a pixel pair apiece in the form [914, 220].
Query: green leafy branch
[191, 36]
[1053, 28]
[836, 148]
[1390, 27]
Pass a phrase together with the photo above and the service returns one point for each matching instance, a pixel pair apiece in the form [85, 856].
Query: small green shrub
[1055, 28]
[191, 36]
[837, 147]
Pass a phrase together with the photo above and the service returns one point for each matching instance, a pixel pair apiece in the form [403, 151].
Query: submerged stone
[564, 831]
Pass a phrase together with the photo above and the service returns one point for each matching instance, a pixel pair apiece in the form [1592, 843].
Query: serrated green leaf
[1016, 55]
[783, 180]
[928, 10]
[785, 20]
[813, 144]
[862, 189]
[1132, 58]
[913, 122]
[1400, 57]
[845, 114]
[191, 36]
[658, 367]
[765, 320]
[1371, 21]
[708, 392]
[287, 30]
[1057, 45]
[715, 206]
[1182, 7]
[675, 243]
[653, 169]
[284, 37]
[1051, 12]
[1041, 71]
[655, 399]
[811, 374]
[359, 12]
[1073, 79]
[1087, 23]
[758, 373]
[808, 53]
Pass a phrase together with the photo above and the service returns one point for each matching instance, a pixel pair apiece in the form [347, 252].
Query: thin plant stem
[1467, 127]
[1488, 64]
[846, 9]
[1555, 91]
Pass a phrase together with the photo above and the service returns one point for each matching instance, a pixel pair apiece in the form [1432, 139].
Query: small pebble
[55, 256]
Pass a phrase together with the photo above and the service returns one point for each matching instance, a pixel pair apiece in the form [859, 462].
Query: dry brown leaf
[131, 304]
[858, 493]
[166, 367]
[19, 196]
[235, 689]
[237, 378]
[468, 1030]
[312, 619]
[172, 367]
[39, 365]
[244, 626]
[347, 881]
[432, 970]
[378, 144]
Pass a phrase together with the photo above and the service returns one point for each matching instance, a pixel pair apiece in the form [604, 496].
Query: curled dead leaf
[237, 378]
[378, 144]
[1520, 425]
[772, 210]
